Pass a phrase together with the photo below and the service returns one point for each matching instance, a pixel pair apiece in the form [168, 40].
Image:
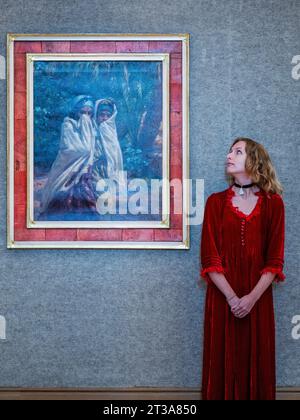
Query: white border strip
[166, 141]
[10, 139]
[164, 223]
[98, 57]
[98, 37]
[185, 141]
[117, 224]
[97, 244]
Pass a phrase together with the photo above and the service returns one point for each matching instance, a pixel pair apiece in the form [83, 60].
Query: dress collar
[256, 210]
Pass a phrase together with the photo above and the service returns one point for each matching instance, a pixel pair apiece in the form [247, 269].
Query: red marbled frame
[19, 236]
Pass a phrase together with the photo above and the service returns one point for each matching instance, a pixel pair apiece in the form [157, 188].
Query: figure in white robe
[105, 116]
[69, 182]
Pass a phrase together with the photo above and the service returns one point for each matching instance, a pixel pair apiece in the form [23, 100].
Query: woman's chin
[229, 171]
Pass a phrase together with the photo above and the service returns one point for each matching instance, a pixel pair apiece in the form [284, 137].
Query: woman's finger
[244, 313]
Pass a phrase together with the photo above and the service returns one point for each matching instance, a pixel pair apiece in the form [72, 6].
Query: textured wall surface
[134, 318]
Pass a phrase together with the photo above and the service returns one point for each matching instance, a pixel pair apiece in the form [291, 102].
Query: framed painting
[98, 141]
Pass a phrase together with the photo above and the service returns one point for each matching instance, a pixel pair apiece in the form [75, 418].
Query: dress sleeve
[275, 249]
[210, 258]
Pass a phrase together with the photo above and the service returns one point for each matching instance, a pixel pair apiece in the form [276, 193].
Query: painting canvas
[96, 135]
[97, 138]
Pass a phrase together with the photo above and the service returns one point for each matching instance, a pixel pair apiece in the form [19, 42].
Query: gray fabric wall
[134, 318]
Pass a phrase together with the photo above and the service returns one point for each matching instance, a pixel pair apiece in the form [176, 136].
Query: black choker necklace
[241, 192]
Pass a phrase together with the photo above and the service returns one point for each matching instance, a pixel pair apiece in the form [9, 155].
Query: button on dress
[239, 353]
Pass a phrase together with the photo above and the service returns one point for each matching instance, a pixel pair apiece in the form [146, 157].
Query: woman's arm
[248, 301]
[212, 269]
[222, 284]
[264, 282]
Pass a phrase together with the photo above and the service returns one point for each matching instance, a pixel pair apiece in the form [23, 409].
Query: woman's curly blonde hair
[259, 167]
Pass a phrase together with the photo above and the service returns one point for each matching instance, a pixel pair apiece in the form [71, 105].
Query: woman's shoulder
[69, 124]
[69, 120]
[217, 198]
[273, 202]
[276, 197]
[273, 197]
[277, 201]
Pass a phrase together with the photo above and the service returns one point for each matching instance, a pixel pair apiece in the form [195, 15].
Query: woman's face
[103, 116]
[86, 110]
[236, 159]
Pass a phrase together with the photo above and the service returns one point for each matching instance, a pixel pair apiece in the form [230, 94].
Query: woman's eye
[239, 151]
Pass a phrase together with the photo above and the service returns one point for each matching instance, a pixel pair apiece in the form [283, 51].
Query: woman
[69, 184]
[242, 251]
[105, 116]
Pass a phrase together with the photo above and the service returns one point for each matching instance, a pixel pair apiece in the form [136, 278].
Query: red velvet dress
[239, 353]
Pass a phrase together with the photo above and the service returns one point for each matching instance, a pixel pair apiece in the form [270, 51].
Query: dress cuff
[278, 271]
[211, 269]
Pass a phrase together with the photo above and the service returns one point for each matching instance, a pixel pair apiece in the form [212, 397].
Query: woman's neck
[242, 179]
[248, 192]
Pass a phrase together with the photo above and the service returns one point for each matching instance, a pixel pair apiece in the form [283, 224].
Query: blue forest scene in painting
[97, 125]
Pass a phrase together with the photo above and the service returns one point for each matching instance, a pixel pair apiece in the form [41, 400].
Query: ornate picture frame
[125, 98]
